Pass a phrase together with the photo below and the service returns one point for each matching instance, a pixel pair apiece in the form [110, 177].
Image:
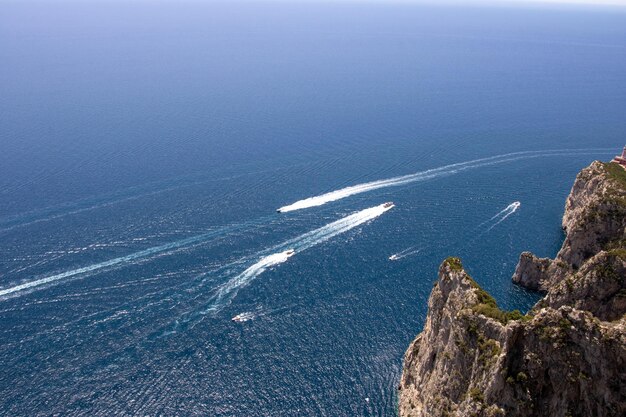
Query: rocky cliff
[566, 357]
[594, 221]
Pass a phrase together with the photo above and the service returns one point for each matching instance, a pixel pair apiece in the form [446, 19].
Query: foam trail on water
[243, 279]
[423, 176]
[404, 253]
[227, 291]
[500, 213]
[243, 317]
[510, 209]
[14, 290]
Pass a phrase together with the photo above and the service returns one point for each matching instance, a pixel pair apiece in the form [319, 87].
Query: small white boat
[290, 252]
[240, 318]
[394, 257]
[388, 204]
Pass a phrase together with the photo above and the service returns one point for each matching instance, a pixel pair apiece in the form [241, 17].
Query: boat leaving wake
[231, 287]
[403, 254]
[166, 248]
[243, 317]
[428, 174]
[506, 212]
[228, 291]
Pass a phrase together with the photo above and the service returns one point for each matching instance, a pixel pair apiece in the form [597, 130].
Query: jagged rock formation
[532, 272]
[567, 357]
[594, 220]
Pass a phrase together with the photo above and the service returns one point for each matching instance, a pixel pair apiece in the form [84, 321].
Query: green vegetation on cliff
[616, 172]
[454, 263]
[563, 359]
[487, 305]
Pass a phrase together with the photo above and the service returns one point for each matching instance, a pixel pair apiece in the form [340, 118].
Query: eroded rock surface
[566, 357]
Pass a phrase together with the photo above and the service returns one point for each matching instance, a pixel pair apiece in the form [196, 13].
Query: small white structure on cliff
[621, 159]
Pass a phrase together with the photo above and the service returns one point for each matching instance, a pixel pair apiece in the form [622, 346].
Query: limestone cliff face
[567, 357]
[594, 220]
[598, 287]
[595, 213]
[532, 272]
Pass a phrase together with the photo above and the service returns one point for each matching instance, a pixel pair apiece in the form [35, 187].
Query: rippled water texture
[146, 148]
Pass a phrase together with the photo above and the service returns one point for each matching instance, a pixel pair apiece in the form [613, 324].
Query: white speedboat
[388, 204]
[240, 318]
[394, 257]
[290, 252]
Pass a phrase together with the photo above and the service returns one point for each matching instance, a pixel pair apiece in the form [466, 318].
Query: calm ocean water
[145, 148]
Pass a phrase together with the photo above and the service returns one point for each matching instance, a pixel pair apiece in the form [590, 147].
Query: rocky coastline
[566, 357]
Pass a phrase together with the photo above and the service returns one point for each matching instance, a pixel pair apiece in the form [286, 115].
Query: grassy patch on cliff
[487, 305]
[616, 172]
[454, 263]
[619, 252]
[484, 297]
[500, 315]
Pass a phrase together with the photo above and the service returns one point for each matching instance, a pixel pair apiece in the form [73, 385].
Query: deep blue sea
[145, 148]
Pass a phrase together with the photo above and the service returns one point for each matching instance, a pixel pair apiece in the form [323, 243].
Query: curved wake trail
[231, 287]
[479, 230]
[509, 210]
[426, 175]
[123, 260]
[403, 254]
[282, 252]
[513, 206]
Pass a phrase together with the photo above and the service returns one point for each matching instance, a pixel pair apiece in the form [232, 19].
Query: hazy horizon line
[620, 3]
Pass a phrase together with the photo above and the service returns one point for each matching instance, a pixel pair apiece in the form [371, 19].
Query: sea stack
[566, 357]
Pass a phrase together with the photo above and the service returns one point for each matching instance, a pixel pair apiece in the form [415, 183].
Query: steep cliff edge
[567, 357]
[594, 221]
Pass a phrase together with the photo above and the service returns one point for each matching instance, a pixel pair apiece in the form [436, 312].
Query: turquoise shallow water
[145, 148]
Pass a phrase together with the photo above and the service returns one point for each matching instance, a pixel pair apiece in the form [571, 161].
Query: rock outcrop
[566, 357]
[594, 221]
[532, 272]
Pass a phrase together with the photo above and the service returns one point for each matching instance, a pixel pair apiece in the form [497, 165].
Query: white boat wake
[506, 212]
[123, 260]
[243, 317]
[480, 230]
[428, 174]
[403, 254]
[230, 288]
[228, 291]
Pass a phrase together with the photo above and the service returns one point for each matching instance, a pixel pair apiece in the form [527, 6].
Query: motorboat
[240, 318]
